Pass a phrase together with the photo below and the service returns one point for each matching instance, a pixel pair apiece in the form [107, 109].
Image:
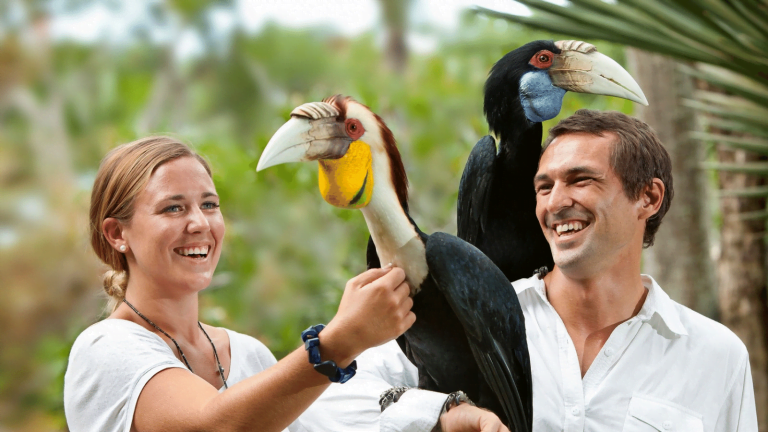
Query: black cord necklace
[181, 353]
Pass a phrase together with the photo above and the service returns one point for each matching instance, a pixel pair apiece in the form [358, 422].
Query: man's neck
[591, 304]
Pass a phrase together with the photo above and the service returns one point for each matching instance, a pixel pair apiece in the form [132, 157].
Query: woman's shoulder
[117, 333]
[120, 343]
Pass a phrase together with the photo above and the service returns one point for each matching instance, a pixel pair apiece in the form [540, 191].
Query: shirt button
[609, 352]
[667, 425]
[575, 411]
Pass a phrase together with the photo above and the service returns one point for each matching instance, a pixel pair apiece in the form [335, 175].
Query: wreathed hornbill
[469, 333]
[497, 203]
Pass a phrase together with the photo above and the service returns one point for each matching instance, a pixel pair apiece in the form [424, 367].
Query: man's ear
[113, 232]
[651, 198]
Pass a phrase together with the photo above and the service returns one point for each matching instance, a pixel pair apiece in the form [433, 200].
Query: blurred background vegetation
[79, 77]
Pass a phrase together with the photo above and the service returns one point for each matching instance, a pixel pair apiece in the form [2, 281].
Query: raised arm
[375, 308]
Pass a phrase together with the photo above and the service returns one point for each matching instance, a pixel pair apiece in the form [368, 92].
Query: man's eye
[582, 179]
[210, 205]
[542, 189]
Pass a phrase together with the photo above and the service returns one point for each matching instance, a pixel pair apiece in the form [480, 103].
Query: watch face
[327, 368]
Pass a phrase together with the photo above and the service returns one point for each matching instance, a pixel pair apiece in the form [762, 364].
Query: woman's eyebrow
[177, 197]
[209, 194]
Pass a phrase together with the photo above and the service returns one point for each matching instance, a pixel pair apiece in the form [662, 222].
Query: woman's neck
[174, 313]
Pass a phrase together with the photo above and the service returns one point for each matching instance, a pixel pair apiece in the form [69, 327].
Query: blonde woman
[151, 366]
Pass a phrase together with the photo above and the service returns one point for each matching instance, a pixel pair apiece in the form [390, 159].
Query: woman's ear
[651, 199]
[113, 232]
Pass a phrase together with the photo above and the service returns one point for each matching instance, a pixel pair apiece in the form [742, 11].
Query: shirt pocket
[648, 414]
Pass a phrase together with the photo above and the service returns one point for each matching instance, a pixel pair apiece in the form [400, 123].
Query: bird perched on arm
[469, 334]
[497, 203]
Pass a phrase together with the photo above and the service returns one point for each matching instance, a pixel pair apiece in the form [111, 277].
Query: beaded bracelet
[328, 367]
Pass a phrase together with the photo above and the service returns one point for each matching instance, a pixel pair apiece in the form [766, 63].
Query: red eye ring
[542, 59]
[354, 128]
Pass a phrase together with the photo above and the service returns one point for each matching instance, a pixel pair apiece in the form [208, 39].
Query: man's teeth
[193, 251]
[573, 226]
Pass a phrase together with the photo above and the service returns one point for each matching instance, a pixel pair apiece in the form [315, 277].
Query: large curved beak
[304, 139]
[580, 68]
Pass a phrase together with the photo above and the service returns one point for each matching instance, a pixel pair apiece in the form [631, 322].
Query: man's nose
[558, 198]
[197, 221]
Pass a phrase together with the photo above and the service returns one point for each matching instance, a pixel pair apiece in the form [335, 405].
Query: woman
[155, 220]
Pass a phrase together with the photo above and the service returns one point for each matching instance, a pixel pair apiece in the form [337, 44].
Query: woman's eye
[173, 209]
[210, 205]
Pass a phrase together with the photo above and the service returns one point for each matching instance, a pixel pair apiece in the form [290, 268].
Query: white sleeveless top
[112, 360]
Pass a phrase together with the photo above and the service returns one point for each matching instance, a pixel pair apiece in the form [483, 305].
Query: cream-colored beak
[580, 68]
[302, 139]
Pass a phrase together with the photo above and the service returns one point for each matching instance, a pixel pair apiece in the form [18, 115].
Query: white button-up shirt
[666, 369]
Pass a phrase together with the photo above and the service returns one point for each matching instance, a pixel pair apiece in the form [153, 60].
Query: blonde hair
[122, 175]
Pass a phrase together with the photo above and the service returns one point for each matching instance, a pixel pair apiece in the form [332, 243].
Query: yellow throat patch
[347, 182]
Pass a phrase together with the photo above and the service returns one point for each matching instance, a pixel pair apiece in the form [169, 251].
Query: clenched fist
[374, 309]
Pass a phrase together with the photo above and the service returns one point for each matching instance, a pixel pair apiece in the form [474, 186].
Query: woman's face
[176, 232]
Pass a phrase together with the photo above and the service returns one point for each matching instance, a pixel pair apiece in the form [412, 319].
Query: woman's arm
[374, 309]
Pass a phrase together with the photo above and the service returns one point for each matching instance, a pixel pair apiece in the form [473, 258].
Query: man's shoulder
[709, 335]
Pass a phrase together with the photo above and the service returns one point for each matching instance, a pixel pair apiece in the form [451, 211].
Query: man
[609, 349]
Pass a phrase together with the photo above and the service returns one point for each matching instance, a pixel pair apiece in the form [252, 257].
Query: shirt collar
[657, 302]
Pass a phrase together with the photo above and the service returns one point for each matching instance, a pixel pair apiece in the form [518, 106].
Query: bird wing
[475, 190]
[487, 307]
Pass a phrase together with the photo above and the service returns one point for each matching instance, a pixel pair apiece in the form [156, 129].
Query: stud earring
[122, 248]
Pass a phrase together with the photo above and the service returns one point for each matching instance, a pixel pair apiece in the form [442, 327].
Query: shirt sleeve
[354, 406]
[109, 364]
[738, 413]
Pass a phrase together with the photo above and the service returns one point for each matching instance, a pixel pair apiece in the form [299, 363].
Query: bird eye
[354, 128]
[542, 59]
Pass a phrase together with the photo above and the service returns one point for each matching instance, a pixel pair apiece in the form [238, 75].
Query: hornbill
[469, 333]
[497, 203]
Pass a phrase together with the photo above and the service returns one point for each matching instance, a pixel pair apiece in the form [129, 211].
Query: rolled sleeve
[416, 411]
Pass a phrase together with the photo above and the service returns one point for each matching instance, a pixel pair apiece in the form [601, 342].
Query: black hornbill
[469, 333]
[497, 204]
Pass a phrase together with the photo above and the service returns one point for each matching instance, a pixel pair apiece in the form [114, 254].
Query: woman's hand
[374, 309]
[468, 418]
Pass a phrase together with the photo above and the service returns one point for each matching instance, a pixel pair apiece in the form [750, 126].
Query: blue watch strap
[328, 367]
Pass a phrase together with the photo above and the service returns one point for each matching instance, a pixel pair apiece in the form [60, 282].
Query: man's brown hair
[637, 156]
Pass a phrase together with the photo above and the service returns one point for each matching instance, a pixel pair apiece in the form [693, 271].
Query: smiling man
[609, 349]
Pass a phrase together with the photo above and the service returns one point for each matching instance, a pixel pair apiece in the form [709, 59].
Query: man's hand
[468, 418]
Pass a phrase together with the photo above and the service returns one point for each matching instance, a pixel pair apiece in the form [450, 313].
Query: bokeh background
[79, 77]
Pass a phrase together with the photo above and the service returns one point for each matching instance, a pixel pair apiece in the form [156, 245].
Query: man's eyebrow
[581, 170]
[541, 177]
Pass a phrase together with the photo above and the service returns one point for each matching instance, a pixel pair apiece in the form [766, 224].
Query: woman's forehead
[181, 176]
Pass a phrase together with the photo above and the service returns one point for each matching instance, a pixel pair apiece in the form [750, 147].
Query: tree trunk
[679, 259]
[742, 273]
[395, 13]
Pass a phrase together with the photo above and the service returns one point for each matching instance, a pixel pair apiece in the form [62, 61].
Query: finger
[408, 303]
[403, 290]
[408, 321]
[392, 279]
[369, 276]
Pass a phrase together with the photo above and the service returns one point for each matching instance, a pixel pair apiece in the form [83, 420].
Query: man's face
[581, 206]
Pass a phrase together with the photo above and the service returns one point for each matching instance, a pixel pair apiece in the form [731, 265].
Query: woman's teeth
[200, 251]
[569, 227]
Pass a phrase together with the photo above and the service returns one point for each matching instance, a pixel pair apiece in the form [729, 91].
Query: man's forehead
[583, 150]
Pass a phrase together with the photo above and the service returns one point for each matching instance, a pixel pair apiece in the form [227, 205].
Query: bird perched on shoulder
[469, 334]
[497, 203]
